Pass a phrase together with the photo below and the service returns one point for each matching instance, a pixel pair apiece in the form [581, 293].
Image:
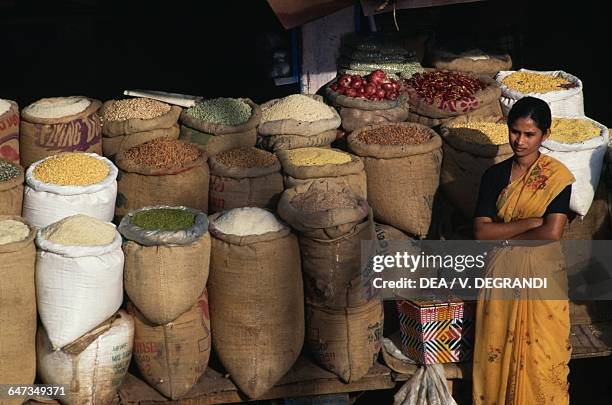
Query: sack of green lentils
[134, 115]
[305, 165]
[332, 221]
[68, 184]
[9, 131]
[256, 297]
[244, 177]
[470, 147]
[63, 124]
[345, 341]
[11, 188]
[402, 163]
[17, 302]
[172, 357]
[112, 145]
[162, 172]
[221, 124]
[167, 256]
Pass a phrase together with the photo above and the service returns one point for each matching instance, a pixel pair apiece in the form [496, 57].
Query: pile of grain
[80, 230]
[297, 107]
[227, 111]
[247, 221]
[246, 157]
[72, 169]
[13, 231]
[135, 108]
[317, 157]
[395, 135]
[163, 153]
[57, 107]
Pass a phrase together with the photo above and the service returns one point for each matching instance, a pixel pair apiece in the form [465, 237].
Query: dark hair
[534, 108]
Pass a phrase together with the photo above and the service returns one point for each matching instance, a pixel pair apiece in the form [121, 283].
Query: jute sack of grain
[491, 109]
[345, 341]
[94, 366]
[46, 203]
[77, 287]
[235, 186]
[112, 145]
[142, 186]
[595, 225]
[330, 242]
[173, 357]
[43, 137]
[136, 125]
[351, 173]
[9, 132]
[11, 193]
[18, 309]
[402, 179]
[276, 143]
[257, 317]
[464, 163]
[563, 102]
[165, 271]
[473, 61]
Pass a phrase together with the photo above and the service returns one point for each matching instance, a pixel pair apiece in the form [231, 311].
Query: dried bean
[246, 157]
[311, 202]
[227, 111]
[134, 108]
[7, 171]
[72, 169]
[163, 153]
[163, 219]
[395, 135]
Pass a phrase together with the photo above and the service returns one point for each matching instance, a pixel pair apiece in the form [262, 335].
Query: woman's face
[526, 137]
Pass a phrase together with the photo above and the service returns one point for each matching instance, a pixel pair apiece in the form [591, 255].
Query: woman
[522, 345]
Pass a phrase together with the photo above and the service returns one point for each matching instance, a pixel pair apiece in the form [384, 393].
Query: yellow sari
[522, 347]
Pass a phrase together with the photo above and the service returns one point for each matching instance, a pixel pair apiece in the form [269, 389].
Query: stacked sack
[344, 317]
[130, 122]
[297, 121]
[167, 256]
[161, 171]
[256, 297]
[221, 124]
[84, 342]
[11, 188]
[9, 131]
[562, 91]
[438, 96]
[474, 61]
[55, 125]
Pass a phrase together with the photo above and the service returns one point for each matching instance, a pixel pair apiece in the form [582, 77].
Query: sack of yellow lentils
[470, 147]
[9, 131]
[562, 91]
[11, 188]
[62, 124]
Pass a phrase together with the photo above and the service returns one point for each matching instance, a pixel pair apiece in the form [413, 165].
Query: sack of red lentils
[162, 172]
[11, 188]
[63, 124]
[112, 145]
[133, 115]
[305, 165]
[167, 255]
[402, 163]
[244, 177]
[9, 131]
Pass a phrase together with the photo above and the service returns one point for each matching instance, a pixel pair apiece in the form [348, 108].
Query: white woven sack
[77, 287]
[563, 103]
[44, 203]
[94, 375]
[584, 160]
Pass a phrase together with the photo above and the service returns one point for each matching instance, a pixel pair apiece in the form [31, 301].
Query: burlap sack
[463, 165]
[467, 63]
[256, 306]
[330, 245]
[340, 100]
[139, 186]
[351, 173]
[11, 194]
[213, 144]
[112, 145]
[236, 187]
[295, 127]
[43, 137]
[9, 134]
[222, 129]
[173, 357]
[345, 341]
[275, 143]
[402, 180]
[134, 125]
[354, 118]
[386, 232]
[491, 109]
[17, 310]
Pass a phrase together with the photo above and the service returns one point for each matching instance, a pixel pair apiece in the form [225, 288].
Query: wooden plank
[372, 7]
[293, 13]
[586, 341]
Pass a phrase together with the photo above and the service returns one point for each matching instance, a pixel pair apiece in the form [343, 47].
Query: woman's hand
[486, 229]
[551, 228]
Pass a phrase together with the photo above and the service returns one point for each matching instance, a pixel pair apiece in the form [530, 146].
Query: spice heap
[4, 106]
[481, 132]
[317, 157]
[444, 86]
[134, 108]
[376, 86]
[297, 107]
[246, 157]
[80, 230]
[163, 219]
[8, 171]
[247, 221]
[57, 107]
[13, 231]
[163, 153]
[573, 130]
[395, 135]
[312, 202]
[72, 169]
[227, 111]
[530, 82]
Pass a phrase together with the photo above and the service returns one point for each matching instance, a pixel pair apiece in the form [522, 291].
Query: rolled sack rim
[355, 166]
[126, 127]
[220, 170]
[77, 251]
